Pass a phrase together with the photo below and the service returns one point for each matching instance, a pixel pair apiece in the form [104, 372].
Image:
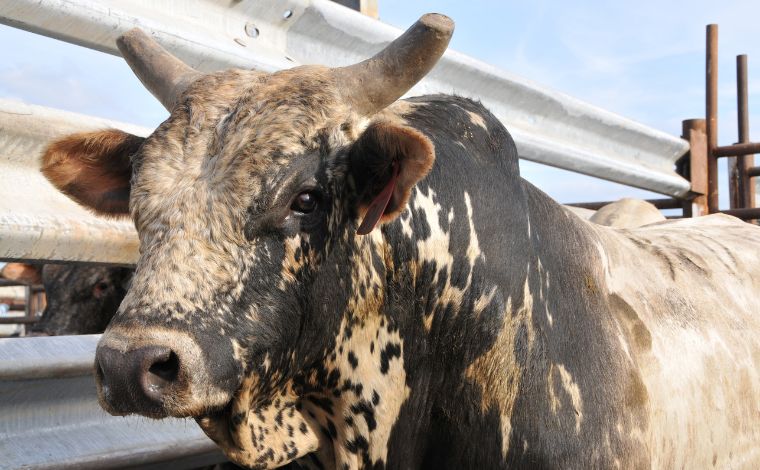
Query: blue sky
[643, 60]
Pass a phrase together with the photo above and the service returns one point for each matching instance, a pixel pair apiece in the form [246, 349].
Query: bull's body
[533, 338]
[627, 213]
[333, 277]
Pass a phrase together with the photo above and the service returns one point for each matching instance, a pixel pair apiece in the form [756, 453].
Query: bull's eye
[305, 202]
[100, 289]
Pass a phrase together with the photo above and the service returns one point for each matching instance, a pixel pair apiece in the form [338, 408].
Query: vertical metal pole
[712, 116]
[744, 162]
[693, 130]
[28, 307]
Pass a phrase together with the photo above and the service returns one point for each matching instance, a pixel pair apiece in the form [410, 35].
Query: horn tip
[131, 36]
[439, 22]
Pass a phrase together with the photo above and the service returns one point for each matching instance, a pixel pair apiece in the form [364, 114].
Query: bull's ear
[386, 162]
[22, 273]
[93, 168]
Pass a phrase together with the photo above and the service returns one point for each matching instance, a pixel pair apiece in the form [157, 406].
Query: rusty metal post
[743, 163]
[365, 7]
[693, 130]
[711, 66]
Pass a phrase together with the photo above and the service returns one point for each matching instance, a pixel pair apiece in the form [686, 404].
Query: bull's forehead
[230, 139]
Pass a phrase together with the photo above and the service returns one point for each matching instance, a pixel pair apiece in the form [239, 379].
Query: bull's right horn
[165, 76]
[372, 85]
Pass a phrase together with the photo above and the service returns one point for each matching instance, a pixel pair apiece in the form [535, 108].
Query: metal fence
[49, 417]
[548, 127]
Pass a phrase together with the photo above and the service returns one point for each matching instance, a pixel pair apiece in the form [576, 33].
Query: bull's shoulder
[447, 111]
[463, 131]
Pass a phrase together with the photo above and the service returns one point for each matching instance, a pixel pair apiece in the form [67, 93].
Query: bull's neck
[468, 293]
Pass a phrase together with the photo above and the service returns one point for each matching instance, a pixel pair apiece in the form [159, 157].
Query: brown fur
[22, 273]
[93, 168]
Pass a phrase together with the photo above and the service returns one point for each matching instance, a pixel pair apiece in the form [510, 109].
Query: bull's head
[252, 276]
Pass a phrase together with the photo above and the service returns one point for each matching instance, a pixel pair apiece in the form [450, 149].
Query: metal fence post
[745, 188]
[693, 130]
[711, 66]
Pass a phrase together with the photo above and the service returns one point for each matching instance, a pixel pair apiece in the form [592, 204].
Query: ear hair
[93, 168]
[373, 156]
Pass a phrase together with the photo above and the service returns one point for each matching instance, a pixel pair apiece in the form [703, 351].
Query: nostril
[160, 374]
[164, 372]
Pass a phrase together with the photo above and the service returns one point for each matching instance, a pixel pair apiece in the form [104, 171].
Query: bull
[627, 213]
[80, 299]
[332, 277]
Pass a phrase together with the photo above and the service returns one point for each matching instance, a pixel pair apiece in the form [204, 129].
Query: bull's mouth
[261, 434]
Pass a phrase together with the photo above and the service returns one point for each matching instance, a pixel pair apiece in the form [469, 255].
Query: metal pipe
[753, 171]
[747, 213]
[658, 203]
[743, 162]
[16, 320]
[693, 131]
[711, 112]
[748, 148]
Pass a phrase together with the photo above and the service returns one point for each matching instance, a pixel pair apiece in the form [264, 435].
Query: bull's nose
[138, 380]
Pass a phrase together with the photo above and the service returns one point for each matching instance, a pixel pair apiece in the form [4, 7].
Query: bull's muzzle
[140, 380]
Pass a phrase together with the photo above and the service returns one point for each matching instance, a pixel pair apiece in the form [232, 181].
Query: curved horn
[165, 76]
[373, 84]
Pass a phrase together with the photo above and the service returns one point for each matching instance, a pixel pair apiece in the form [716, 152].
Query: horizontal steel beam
[50, 417]
[737, 150]
[658, 203]
[748, 213]
[548, 127]
[36, 221]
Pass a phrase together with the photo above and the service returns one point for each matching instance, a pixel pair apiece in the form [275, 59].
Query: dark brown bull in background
[81, 299]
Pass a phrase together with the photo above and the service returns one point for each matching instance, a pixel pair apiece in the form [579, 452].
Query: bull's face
[80, 299]
[251, 202]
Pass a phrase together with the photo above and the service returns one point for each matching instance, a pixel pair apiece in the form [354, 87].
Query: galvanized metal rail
[50, 418]
[548, 127]
[36, 221]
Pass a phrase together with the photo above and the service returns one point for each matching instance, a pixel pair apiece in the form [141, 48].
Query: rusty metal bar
[693, 131]
[13, 303]
[747, 213]
[658, 203]
[748, 148]
[16, 320]
[753, 171]
[746, 189]
[711, 112]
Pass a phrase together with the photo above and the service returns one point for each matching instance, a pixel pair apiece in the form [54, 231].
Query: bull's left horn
[372, 85]
[165, 76]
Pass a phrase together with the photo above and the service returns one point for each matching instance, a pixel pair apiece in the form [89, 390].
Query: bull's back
[685, 296]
